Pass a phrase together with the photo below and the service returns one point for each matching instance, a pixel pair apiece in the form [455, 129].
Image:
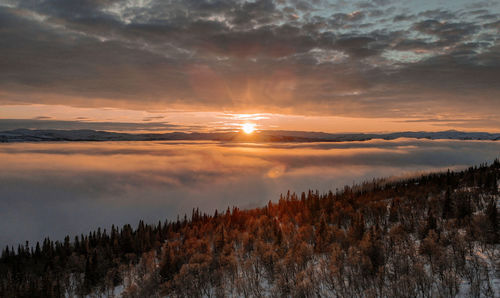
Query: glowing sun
[248, 128]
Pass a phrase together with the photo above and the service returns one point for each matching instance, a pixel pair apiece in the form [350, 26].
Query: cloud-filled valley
[54, 189]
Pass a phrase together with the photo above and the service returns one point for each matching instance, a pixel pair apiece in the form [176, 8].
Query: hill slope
[435, 235]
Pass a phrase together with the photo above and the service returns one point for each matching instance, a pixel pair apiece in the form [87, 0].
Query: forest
[433, 235]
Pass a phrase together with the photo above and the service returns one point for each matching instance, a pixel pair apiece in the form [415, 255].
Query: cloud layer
[367, 59]
[68, 188]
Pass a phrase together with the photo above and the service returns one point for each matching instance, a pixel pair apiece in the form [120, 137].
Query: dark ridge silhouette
[53, 135]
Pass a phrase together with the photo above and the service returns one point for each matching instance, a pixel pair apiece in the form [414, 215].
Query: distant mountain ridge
[53, 135]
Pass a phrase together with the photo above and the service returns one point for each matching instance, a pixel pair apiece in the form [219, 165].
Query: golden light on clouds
[40, 116]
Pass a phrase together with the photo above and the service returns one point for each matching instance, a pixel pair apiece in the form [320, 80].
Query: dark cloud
[438, 14]
[373, 3]
[493, 25]
[340, 20]
[403, 17]
[293, 56]
[414, 45]
[45, 123]
[448, 32]
[358, 47]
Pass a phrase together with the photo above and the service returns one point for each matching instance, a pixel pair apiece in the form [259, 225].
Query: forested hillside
[429, 236]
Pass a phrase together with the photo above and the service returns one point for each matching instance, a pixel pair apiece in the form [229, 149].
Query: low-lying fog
[54, 189]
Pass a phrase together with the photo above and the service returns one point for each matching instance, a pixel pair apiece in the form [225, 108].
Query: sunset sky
[199, 65]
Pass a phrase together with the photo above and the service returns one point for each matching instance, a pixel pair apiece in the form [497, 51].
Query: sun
[248, 128]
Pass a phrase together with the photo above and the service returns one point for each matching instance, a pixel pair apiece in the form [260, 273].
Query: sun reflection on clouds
[276, 171]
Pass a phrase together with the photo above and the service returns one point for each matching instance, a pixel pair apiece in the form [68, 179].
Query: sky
[200, 65]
